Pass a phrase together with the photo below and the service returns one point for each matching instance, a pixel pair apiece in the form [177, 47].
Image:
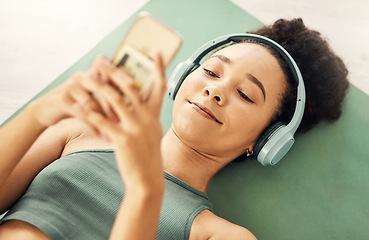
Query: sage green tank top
[78, 196]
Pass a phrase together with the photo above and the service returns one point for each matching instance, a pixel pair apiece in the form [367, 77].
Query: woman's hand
[19, 134]
[109, 102]
[133, 125]
[60, 102]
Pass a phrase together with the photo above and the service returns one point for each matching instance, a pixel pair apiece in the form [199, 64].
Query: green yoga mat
[318, 191]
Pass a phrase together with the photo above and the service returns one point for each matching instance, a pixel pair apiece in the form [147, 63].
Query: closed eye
[210, 73]
[244, 96]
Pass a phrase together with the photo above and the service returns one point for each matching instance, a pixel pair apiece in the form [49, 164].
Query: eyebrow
[222, 58]
[257, 82]
[249, 76]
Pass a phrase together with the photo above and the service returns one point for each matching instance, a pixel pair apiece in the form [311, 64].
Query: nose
[215, 94]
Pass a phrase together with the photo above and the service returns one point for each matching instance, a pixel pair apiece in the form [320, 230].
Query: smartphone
[143, 41]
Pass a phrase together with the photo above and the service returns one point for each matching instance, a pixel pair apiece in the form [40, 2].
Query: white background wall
[39, 39]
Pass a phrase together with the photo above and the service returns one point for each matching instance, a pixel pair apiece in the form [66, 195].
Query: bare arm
[136, 133]
[209, 226]
[139, 213]
[16, 138]
[27, 146]
[24, 147]
[45, 149]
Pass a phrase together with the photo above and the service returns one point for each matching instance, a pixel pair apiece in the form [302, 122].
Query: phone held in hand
[143, 41]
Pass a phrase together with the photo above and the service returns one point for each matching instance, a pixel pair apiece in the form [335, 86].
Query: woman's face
[224, 105]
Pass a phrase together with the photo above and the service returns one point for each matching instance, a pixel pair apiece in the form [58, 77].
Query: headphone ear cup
[265, 137]
[277, 143]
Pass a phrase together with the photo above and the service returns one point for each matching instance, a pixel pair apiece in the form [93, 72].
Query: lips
[204, 111]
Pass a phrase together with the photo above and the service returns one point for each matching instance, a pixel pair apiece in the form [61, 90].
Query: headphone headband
[276, 141]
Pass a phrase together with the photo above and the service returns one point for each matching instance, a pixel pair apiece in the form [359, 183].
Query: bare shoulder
[72, 125]
[67, 129]
[79, 137]
[48, 147]
[207, 225]
[58, 136]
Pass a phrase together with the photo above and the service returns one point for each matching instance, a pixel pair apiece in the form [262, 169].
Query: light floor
[39, 39]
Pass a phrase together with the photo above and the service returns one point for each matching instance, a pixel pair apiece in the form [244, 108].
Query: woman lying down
[75, 166]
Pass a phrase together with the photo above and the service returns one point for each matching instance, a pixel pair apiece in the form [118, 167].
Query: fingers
[160, 85]
[100, 125]
[113, 104]
[126, 86]
[93, 85]
[108, 72]
[101, 65]
[160, 70]
[118, 103]
[116, 94]
[85, 90]
[76, 93]
[161, 80]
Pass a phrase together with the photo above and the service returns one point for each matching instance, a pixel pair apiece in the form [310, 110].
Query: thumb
[160, 84]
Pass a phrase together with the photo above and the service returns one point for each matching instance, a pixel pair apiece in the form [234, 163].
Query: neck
[187, 164]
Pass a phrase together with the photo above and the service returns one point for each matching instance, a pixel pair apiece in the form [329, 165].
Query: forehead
[247, 51]
[251, 57]
[256, 60]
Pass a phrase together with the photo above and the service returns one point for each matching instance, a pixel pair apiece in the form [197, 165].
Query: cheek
[242, 128]
[192, 84]
[182, 120]
[245, 124]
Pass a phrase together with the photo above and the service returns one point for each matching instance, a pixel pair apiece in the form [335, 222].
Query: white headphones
[278, 138]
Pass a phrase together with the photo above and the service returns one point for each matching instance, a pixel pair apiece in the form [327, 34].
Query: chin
[190, 132]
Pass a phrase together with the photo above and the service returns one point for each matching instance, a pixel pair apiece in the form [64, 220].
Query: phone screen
[144, 40]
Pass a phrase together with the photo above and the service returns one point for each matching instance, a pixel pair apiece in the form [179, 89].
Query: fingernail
[93, 75]
[105, 62]
[78, 108]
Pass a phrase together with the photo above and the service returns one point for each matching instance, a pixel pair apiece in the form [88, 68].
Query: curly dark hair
[324, 73]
